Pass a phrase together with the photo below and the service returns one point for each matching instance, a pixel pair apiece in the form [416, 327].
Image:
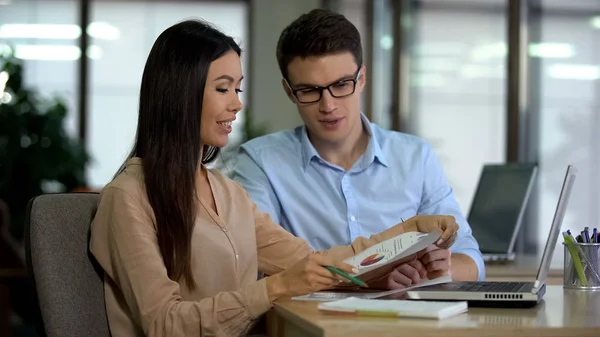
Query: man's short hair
[319, 32]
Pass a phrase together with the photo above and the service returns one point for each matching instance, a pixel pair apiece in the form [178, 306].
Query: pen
[586, 229]
[572, 247]
[569, 233]
[595, 235]
[343, 274]
[586, 235]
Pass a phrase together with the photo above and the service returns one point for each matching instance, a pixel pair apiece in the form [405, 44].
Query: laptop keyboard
[494, 287]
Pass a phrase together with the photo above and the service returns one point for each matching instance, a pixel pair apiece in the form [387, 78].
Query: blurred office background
[485, 81]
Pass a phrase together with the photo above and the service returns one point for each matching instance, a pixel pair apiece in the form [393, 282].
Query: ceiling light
[99, 30]
[53, 52]
[551, 50]
[584, 72]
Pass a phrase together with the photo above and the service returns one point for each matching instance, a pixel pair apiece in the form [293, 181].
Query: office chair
[67, 280]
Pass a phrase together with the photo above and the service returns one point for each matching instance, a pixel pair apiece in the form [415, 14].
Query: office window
[44, 35]
[458, 80]
[569, 118]
[381, 63]
[116, 74]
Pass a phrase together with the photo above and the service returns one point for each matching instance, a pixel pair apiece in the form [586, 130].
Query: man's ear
[362, 81]
[288, 91]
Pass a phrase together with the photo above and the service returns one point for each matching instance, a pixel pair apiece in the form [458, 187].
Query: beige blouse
[228, 249]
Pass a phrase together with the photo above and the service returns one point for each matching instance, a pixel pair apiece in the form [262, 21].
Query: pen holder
[581, 266]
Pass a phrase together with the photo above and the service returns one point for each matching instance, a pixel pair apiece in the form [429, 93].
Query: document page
[325, 296]
[391, 250]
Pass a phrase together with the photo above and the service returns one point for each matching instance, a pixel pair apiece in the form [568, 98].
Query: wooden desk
[561, 313]
[524, 269]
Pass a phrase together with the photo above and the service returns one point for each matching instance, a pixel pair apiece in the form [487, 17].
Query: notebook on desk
[506, 294]
[395, 308]
[498, 207]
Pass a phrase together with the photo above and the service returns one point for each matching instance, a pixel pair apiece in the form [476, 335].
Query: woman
[181, 245]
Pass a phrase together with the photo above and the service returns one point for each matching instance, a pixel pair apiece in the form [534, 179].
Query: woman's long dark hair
[168, 133]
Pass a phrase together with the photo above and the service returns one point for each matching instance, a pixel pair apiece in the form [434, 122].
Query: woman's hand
[307, 276]
[429, 223]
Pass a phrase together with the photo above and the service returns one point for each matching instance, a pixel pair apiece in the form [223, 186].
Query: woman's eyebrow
[228, 78]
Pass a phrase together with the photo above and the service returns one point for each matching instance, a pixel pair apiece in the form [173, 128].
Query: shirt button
[353, 218]
[237, 257]
[224, 229]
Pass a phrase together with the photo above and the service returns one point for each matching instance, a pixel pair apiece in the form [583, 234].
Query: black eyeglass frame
[321, 89]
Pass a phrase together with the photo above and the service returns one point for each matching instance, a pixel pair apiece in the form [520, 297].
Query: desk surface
[561, 313]
[523, 266]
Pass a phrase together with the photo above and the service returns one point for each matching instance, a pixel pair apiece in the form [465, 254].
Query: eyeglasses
[338, 89]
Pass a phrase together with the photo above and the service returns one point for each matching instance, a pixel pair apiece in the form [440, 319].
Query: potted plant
[37, 155]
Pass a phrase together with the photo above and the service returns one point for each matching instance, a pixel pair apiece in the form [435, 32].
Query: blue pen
[595, 235]
[586, 236]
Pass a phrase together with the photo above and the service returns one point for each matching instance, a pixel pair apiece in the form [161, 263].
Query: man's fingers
[410, 272]
[437, 273]
[420, 267]
[434, 255]
[400, 279]
[437, 265]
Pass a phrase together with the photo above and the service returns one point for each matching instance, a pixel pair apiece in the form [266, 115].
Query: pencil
[345, 275]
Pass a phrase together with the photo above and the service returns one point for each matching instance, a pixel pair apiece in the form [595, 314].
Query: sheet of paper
[325, 296]
[391, 250]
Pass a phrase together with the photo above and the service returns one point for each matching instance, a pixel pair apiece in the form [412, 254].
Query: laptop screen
[498, 205]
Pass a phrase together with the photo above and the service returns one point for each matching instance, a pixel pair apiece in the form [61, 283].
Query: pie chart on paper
[372, 259]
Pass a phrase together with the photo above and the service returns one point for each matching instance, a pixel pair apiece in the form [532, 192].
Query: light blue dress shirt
[396, 178]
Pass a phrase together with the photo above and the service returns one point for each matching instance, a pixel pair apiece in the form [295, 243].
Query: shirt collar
[372, 153]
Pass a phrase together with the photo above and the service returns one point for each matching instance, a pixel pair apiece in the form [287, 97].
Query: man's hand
[431, 263]
[403, 276]
[437, 261]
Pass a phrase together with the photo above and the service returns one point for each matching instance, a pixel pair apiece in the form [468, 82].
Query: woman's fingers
[348, 268]
[322, 259]
[320, 262]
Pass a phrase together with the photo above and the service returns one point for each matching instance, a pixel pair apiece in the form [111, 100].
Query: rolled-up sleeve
[438, 199]
[124, 242]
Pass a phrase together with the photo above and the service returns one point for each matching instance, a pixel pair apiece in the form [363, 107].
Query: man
[338, 176]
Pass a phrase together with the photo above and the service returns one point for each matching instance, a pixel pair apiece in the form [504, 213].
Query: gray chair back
[67, 279]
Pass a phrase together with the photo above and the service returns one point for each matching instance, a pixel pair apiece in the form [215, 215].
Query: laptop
[506, 294]
[498, 207]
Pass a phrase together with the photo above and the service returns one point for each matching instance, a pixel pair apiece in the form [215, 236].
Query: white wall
[268, 103]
